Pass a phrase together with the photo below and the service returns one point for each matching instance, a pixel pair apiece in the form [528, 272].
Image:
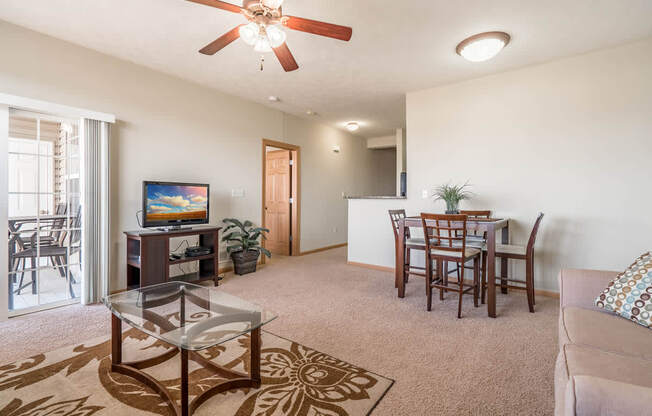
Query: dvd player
[198, 251]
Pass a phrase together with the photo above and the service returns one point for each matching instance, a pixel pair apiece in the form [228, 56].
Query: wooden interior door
[278, 191]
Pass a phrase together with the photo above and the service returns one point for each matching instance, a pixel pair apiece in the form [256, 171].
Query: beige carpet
[441, 365]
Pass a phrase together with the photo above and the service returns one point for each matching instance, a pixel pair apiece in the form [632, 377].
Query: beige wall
[571, 138]
[170, 129]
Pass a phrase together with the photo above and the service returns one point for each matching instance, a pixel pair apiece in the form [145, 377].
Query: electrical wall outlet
[424, 194]
[237, 193]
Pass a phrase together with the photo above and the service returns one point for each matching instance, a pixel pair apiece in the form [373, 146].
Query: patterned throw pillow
[629, 295]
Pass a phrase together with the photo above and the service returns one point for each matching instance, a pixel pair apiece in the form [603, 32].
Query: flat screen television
[174, 204]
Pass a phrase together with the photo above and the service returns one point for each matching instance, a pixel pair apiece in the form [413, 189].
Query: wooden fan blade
[285, 58]
[219, 43]
[220, 5]
[319, 28]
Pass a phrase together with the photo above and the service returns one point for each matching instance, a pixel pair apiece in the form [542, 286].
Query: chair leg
[69, 275]
[442, 276]
[529, 286]
[33, 267]
[428, 280]
[56, 261]
[22, 275]
[476, 280]
[406, 269]
[461, 292]
[503, 276]
[483, 287]
[396, 261]
[534, 301]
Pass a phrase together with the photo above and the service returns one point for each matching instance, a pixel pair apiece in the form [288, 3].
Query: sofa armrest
[580, 287]
[588, 395]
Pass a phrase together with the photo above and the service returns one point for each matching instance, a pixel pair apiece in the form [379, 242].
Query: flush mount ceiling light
[352, 126]
[483, 46]
[273, 98]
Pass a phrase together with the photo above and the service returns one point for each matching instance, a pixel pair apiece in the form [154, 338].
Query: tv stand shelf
[186, 259]
[148, 256]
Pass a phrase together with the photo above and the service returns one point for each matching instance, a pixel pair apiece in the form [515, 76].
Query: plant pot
[244, 262]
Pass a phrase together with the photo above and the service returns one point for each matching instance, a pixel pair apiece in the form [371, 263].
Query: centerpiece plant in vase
[452, 195]
[244, 247]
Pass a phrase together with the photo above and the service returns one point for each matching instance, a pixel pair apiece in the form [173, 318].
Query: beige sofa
[604, 366]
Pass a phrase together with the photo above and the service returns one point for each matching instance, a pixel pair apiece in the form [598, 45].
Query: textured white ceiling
[397, 46]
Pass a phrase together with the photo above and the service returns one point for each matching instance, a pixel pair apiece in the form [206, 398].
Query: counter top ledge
[375, 197]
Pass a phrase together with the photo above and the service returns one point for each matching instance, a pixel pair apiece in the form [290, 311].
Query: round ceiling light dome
[272, 4]
[352, 126]
[483, 46]
[249, 33]
[275, 35]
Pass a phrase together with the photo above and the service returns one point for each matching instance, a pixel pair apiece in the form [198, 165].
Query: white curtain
[95, 217]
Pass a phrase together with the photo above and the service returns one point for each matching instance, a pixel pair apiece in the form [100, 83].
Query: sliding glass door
[44, 211]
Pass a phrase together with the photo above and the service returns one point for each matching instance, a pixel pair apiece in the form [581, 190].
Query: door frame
[295, 223]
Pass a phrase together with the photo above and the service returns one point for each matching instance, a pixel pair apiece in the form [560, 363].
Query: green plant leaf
[266, 252]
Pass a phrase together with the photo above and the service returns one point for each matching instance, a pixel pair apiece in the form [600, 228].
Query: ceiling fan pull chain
[262, 62]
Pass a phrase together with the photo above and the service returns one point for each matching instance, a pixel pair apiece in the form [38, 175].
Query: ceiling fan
[264, 32]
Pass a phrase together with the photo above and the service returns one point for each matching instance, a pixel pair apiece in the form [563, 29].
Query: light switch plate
[424, 194]
[237, 193]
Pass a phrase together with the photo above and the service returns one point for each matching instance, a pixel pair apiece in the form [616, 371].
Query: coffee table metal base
[235, 379]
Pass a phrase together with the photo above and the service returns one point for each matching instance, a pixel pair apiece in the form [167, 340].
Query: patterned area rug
[296, 380]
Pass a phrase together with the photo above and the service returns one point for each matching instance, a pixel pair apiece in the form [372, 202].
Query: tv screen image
[169, 203]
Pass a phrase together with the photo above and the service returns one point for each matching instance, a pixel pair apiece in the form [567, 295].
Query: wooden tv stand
[148, 256]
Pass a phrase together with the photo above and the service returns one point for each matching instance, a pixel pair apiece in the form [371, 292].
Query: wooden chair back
[533, 235]
[75, 233]
[395, 215]
[477, 214]
[441, 231]
[59, 224]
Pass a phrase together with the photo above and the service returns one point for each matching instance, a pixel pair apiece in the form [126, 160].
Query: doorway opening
[281, 196]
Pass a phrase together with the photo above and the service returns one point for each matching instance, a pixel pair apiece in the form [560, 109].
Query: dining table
[490, 226]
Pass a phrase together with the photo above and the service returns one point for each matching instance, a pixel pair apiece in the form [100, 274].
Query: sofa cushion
[630, 294]
[605, 332]
[588, 361]
[575, 362]
[590, 396]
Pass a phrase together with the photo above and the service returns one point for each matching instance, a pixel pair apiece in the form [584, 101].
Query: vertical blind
[95, 218]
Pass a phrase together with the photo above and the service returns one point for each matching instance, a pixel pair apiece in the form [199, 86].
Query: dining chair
[475, 238]
[445, 237]
[58, 252]
[411, 243]
[517, 252]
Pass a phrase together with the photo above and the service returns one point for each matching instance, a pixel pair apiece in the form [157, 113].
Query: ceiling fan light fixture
[250, 33]
[262, 45]
[276, 36]
[483, 46]
[272, 4]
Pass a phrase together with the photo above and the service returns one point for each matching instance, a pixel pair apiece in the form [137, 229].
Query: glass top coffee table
[190, 318]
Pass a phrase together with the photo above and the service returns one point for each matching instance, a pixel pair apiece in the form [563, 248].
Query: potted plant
[244, 245]
[452, 195]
